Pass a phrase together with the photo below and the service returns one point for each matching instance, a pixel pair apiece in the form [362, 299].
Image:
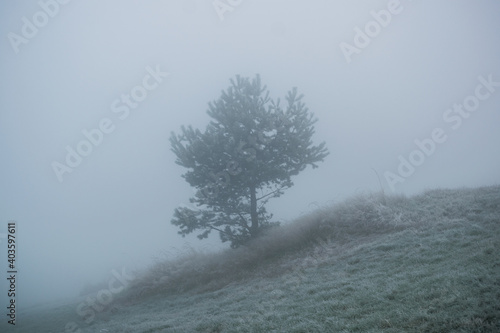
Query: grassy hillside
[429, 263]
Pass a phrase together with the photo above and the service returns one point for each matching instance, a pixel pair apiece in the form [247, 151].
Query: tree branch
[270, 193]
[230, 236]
[244, 224]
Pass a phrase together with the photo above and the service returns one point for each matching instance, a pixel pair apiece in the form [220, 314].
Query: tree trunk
[254, 229]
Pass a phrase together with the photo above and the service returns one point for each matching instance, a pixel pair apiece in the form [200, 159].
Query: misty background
[113, 211]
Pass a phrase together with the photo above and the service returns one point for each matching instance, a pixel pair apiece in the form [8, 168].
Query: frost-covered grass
[429, 263]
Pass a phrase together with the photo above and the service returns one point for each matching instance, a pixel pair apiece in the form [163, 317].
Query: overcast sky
[378, 75]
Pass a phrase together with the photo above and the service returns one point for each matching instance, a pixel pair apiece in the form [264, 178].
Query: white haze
[113, 211]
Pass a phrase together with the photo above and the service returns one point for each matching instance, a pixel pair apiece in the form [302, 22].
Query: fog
[376, 83]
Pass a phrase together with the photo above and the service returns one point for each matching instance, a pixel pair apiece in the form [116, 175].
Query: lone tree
[247, 154]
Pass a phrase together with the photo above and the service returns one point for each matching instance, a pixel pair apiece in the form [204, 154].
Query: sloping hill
[429, 263]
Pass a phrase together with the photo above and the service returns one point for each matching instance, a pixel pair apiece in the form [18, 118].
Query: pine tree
[246, 155]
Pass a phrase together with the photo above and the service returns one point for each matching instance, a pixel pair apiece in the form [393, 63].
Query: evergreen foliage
[247, 154]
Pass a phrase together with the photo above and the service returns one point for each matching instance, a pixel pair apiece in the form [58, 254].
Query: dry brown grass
[322, 231]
